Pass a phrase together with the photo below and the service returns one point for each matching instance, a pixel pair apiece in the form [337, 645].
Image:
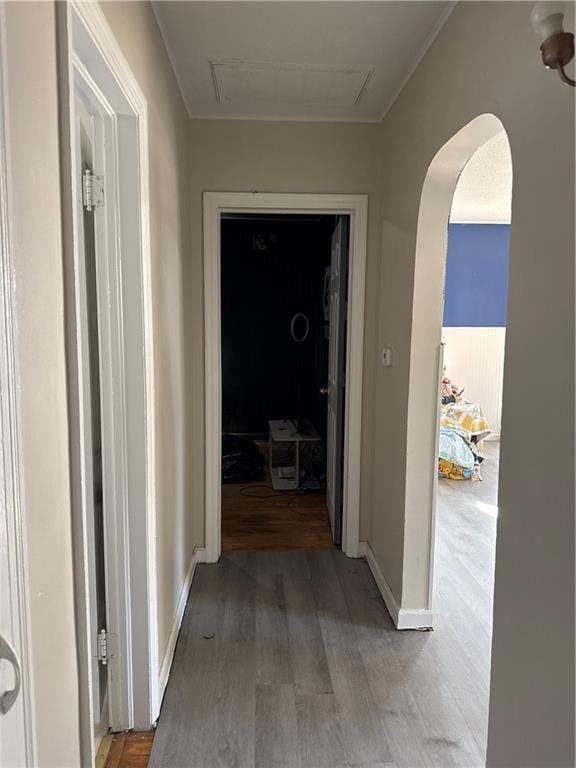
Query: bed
[463, 427]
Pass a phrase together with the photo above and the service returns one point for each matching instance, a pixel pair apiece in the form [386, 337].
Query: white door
[336, 375]
[13, 741]
[89, 224]
[16, 749]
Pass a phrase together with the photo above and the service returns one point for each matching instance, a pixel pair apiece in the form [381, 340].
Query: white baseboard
[415, 619]
[198, 556]
[403, 618]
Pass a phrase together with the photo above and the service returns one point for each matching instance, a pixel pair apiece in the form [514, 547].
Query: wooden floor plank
[273, 659]
[364, 737]
[276, 727]
[116, 751]
[130, 750]
[307, 650]
[321, 741]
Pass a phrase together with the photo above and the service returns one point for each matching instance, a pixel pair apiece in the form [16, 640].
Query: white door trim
[90, 55]
[11, 482]
[356, 206]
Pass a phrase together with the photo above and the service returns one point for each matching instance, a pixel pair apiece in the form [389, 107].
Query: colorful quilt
[455, 458]
[450, 471]
[459, 423]
[466, 419]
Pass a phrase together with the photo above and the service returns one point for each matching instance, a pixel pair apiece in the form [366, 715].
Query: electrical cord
[292, 496]
[271, 493]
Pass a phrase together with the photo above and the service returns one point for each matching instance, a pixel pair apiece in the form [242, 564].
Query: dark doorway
[277, 273]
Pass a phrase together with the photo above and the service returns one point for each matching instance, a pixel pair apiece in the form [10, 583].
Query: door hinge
[103, 647]
[92, 190]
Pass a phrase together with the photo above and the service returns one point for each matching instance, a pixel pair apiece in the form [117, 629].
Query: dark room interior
[275, 272]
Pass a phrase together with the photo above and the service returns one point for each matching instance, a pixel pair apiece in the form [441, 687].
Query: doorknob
[9, 697]
[323, 390]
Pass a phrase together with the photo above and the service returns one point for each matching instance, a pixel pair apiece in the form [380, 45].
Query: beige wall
[486, 60]
[234, 156]
[34, 217]
[136, 31]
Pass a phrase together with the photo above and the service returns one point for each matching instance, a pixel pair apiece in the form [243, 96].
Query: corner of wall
[403, 618]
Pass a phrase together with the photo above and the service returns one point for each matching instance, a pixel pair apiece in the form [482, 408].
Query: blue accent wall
[476, 275]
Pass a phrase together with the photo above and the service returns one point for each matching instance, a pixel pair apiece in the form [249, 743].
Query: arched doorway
[426, 356]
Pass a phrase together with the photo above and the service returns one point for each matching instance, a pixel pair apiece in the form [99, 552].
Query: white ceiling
[296, 60]
[484, 191]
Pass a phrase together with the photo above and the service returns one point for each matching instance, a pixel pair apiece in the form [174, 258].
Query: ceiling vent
[251, 82]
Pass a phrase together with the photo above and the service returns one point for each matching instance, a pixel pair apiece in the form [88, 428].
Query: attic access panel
[250, 82]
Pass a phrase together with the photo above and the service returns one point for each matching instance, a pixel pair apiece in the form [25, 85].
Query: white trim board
[403, 618]
[198, 556]
[355, 206]
[12, 502]
[91, 59]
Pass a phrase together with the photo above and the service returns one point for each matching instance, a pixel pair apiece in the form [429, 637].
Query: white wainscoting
[474, 359]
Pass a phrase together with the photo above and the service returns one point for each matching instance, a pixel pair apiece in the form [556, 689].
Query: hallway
[199, 626]
[290, 658]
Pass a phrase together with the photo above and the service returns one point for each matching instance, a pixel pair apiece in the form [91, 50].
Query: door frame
[354, 206]
[99, 139]
[89, 55]
[11, 480]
